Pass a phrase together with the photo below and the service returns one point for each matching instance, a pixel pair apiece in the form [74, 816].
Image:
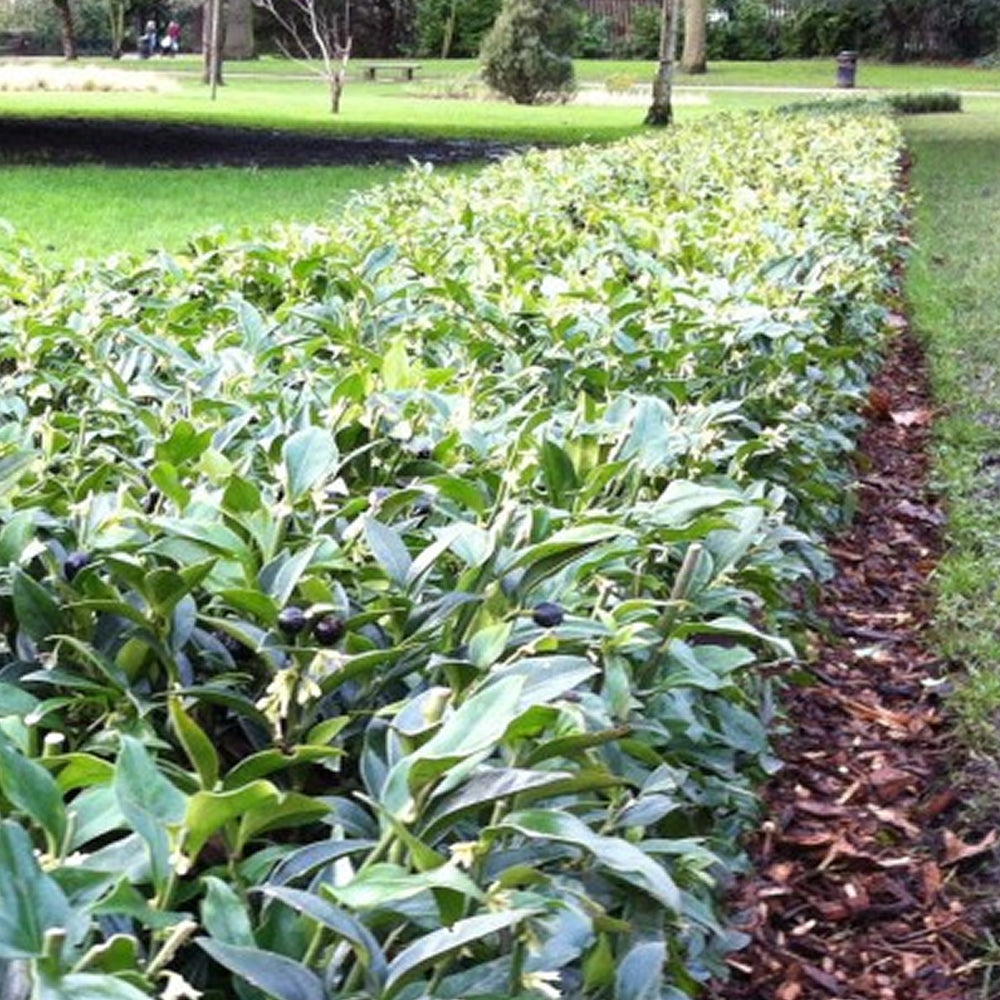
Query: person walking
[147, 43]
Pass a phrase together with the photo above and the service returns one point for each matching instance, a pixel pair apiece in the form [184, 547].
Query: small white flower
[545, 983]
[463, 853]
[178, 988]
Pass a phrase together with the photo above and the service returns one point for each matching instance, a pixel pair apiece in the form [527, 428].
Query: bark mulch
[129, 143]
[850, 896]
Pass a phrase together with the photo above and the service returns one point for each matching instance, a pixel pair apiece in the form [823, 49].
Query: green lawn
[954, 289]
[784, 73]
[69, 212]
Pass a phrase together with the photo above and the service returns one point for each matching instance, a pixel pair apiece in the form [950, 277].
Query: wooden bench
[402, 71]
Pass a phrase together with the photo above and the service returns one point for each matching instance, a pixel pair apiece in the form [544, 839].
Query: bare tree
[694, 58]
[661, 111]
[317, 26]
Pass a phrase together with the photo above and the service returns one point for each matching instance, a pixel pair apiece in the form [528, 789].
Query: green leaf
[32, 903]
[308, 455]
[477, 726]
[396, 371]
[279, 977]
[624, 860]
[15, 536]
[268, 761]
[36, 611]
[167, 480]
[241, 496]
[342, 923]
[199, 748]
[305, 860]
[389, 550]
[383, 884]
[185, 444]
[224, 915]
[294, 809]
[488, 644]
[149, 802]
[486, 788]
[640, 972]
[558, 471]
[431, 948]
[88, 986]
[29, 787]
[207, 811]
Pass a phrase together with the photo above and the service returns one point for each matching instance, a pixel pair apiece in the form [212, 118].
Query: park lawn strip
[954, 290]
[367, 109]
[813, 73]
[389, 603]
[89, 211]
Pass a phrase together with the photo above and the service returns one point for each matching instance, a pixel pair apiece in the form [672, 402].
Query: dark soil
[59, 141]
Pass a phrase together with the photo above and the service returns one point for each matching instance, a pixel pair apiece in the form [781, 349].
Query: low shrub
[385, 607]
[925, 102]
[526, 55]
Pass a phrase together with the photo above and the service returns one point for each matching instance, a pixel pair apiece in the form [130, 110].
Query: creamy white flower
[178, 988]
[545, 983]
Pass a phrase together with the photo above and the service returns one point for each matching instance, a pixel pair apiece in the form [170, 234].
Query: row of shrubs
[385, 604]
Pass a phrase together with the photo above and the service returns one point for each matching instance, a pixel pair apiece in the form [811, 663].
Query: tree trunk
[899, 26]
[694, 58]
[338, 74]
[67, 32]
[211, 58]
[116, 22]
[661, 111]
[239, 30]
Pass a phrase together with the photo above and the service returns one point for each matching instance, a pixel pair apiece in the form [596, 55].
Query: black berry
[547, 614]
[292, 620]
[75, 561]
[329, 630]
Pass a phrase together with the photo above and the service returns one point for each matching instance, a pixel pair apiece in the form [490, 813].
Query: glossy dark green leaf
[32, 902]
[88, 986]
[224, 915]
[197, 745]
[149, 802]
[388, 548]
[309, 455]
[431, 948]
[623, 859]
[342, 923]
[279, 977]
[640, 972]
[31, 788]
[208, 811]
[36, 610]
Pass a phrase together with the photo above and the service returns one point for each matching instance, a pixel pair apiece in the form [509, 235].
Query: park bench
[402, 71]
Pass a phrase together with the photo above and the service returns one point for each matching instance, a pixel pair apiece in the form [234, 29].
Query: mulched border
[851, 895]
[131, 143]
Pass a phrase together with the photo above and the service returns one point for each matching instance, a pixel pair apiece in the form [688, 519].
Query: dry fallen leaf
[911, 418]
[956, 850]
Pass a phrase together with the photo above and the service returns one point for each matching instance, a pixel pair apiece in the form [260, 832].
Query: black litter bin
[847, 68]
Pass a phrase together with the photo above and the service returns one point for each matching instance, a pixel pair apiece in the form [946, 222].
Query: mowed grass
[954, 290]
[89, 211]
[420, 109]
[813, 73]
